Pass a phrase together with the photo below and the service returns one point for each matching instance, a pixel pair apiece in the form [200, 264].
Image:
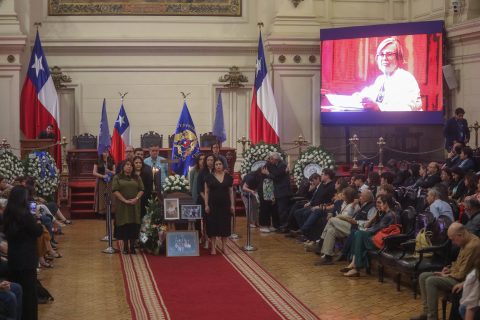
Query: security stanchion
[108, 203]
[234, 235]
[248, 246]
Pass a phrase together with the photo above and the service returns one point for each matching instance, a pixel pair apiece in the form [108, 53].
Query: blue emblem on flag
[185, 143]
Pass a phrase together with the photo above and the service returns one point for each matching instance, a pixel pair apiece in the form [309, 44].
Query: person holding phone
[22, 230]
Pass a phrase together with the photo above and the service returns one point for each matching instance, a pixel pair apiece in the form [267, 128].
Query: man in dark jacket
[276, 169]
[472, 209]
[456, 130]
[308, 216]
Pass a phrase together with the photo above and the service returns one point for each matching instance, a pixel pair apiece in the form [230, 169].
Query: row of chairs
[151, 138]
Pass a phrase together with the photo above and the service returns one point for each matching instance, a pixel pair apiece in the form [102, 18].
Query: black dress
[219, 222]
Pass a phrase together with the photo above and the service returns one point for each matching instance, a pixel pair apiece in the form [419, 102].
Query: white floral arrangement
[176, 183]
[256, 154]
[312, 155]
[10, 166]
[41, 166]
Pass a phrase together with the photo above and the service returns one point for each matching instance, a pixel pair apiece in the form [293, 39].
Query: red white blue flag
[39, 101]
[121, 136]
[263, 111]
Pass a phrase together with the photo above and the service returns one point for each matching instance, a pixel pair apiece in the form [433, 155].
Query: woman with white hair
[396, 89]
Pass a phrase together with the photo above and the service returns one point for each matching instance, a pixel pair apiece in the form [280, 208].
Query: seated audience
[453, 157]
[472, 209]
[431, 176]
[387, 178]
[432, 284]
[458, 185]
[363, 238]
[470, 300]
[470, 180]
[359, 182]
[373, 182]
[467, 163]
[342, 225]
[414, 175]
[313, 210]
[438, 207]
[447, 178]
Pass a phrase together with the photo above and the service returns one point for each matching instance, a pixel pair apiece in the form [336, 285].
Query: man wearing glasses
[395, 89]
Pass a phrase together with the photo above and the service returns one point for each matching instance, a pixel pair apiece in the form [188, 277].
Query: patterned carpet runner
[227, 286]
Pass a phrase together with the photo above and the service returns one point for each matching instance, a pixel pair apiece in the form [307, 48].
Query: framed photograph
[182, 244]
[191, 212]
[171, 209]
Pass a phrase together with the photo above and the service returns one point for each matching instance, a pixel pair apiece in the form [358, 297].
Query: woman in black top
[22, 231]
[208, 168]
[145, 173]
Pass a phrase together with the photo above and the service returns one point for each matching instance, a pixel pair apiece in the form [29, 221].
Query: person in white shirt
[396, 89]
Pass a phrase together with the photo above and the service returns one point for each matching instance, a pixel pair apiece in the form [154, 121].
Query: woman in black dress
[103, 170]
[204, 173]
[220, 205]
[145, 173]
[22, 229]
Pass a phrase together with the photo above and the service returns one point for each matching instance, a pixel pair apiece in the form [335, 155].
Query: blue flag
[104, 139]
[218, 124]
[185, 143]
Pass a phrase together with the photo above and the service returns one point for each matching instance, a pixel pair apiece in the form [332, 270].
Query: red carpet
[228, 286]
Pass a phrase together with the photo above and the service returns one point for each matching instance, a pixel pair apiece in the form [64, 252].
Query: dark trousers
[268, 214]
[282, 207]
[291, 221]
[27, 278]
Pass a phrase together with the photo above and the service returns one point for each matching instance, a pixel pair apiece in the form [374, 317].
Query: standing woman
[22, 231]
[103, 170]
[128, 189]
[145, 173]
[219, 205]
[206, 171]
[194, 174]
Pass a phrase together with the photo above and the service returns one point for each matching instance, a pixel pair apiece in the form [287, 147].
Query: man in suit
[276, 169]
[308, 216]
[456, 130]
[47, 133]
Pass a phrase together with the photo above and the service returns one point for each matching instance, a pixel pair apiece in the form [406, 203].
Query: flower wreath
[41, 166]
[316, 159]
[256, 154]
[10, 166]
[176, 183]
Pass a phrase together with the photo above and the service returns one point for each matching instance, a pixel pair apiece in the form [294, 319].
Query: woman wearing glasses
[395, 89]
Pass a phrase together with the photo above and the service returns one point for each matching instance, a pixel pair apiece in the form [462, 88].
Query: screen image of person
[395, 89]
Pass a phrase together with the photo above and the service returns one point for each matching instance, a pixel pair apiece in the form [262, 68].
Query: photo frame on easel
[191, 212]
[171, 208]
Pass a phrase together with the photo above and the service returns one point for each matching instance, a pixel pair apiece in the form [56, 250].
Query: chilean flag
[121, 136]
[39, 100]
[263, 111]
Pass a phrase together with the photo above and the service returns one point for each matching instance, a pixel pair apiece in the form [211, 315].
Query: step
[83, 194]
[82, 202]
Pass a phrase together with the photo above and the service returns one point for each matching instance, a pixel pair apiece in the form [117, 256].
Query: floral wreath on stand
[312, 160]
[256, 156]
[10, 166]
[41, 166]
[154, 229]
[176, 183]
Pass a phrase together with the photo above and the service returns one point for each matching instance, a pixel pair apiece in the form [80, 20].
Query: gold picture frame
[230, 8]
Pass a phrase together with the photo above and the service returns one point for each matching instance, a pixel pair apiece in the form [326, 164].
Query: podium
[29, 145]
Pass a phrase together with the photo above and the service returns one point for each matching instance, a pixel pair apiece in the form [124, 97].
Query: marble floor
[87, 284]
